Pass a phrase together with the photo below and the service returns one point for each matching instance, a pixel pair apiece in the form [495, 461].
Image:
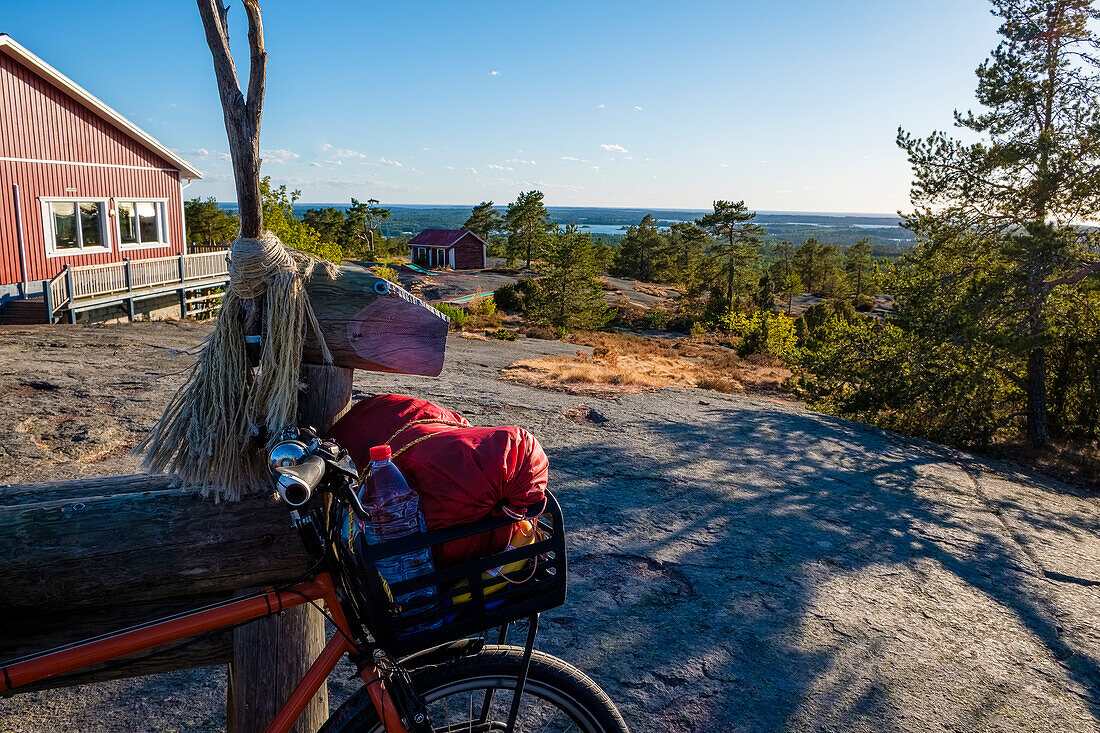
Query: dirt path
[738, 564]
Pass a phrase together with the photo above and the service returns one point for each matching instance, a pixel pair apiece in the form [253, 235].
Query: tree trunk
[1037, 434]
[242, 115]
[272, 655]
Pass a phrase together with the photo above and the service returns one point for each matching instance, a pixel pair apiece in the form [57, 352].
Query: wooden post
[129, 288]
[48, 297]
[271, 655]
[69, 292]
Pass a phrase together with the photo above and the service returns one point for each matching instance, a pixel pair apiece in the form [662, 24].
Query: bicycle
[425, 664]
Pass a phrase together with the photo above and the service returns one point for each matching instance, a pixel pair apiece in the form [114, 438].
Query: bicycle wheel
[557, 698]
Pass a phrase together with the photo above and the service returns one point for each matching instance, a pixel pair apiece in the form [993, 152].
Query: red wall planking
[40, 122]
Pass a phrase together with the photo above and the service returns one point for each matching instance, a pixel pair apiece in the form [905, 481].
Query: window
[141, 224]
[73, 226]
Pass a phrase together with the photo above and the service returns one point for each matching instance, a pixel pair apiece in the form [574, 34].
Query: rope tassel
[217, 428]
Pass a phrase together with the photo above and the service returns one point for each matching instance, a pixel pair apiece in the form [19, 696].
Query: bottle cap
[381, 453]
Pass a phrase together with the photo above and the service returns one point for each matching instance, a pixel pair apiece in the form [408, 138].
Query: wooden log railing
[86, 557]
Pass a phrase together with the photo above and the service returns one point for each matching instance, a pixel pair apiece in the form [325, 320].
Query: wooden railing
[88, 282]
[57, 292]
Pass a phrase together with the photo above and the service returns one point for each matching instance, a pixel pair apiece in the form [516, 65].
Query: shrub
[540, 332]
[864, 303]
[508, 297]
[484, 307]
[656, 318]
[698, 331]
[502, 333]
[627, 313]
[763, 333]
[386, 273]
[459, 317]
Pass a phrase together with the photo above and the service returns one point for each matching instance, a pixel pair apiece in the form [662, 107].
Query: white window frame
[162, 214]
[49, 234]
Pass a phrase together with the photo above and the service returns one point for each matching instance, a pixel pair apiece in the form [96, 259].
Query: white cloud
[326, 146]
[570, 157]
[346, 153]
[723, 165]
[494, 73]
[595, 167]
[629, 157]
[223, 156]
[450, 167]
[601, 106]
[425, 149]
[496, 167]
[278, 156]
[613, 148]
[197, 154]
[637, 108]
[315, 164]
[472, 170]
[390, 163]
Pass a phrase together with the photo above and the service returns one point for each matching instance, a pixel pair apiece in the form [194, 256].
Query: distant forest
[887, 235]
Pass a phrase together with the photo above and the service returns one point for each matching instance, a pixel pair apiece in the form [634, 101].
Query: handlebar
[297, 483]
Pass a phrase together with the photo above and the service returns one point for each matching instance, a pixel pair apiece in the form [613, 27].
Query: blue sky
[789, 105]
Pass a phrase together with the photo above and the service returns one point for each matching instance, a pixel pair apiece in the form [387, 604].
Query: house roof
[8, 45]
[441, 237]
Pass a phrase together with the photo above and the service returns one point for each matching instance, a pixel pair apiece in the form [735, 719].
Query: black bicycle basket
[463, 601]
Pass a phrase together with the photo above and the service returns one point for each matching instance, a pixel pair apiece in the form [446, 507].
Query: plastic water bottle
[395, 512]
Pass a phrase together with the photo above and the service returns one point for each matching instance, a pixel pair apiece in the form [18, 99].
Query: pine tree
[528, 225]
[569, 295]
[484, 220]
[737, 248]
[209, 224]
[643, 253]
[687, 245]
[857, 263]
[792, 286]
[998, 215]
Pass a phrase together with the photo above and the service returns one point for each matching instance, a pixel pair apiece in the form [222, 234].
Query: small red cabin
[79, 184]
[459, 249]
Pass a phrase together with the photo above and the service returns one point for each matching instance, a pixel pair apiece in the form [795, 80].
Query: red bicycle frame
[271, 602]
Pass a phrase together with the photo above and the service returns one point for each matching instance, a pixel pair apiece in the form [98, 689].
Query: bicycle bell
[288, 453]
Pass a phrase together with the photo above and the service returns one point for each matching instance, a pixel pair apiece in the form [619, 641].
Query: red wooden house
[80, 187]
[459, 249]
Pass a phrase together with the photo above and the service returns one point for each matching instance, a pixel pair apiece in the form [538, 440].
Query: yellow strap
[422, 438]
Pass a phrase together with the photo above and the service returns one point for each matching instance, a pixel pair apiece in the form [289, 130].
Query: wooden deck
[191, 277]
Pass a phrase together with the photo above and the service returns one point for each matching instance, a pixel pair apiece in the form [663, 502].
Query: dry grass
[622, 363]
[659, 291]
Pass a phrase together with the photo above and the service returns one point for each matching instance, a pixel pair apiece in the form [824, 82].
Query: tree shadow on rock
[766, 569]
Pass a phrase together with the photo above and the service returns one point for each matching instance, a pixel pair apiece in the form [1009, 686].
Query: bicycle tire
[550, 682]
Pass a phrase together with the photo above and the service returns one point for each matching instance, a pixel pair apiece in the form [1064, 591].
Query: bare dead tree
[242, 115]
